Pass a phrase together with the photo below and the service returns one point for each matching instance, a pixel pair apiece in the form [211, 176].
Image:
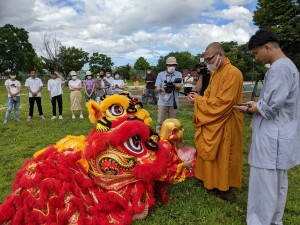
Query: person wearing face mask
[34, 86]
[75, 85]
[203, 78]
[188, 83]
[219, 126]
[13, 88]
[89, 86]
[150, 86]
[118, 84]
[168, 83]
[110, 80]
[100, 86]
[55, 91]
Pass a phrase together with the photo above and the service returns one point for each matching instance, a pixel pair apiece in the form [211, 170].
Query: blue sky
[128, 29]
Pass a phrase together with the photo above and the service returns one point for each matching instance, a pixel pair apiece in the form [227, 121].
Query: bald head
[214, 55]
[215, 46]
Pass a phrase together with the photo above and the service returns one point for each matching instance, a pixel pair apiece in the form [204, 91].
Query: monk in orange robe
[218, 125]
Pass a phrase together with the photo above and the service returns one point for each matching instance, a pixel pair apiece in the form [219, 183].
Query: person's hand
[34, 94]
[187, 164]
[191, 97]
[241, 108]
[249, 107]
[14, 98]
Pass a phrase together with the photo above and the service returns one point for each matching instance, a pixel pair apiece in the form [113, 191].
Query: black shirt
[150, 77]
[205, 83]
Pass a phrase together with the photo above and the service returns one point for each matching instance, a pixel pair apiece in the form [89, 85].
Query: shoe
[81, 116]
[5, 121]
[29, 118]
[17, 121]
[42, 117]
[227, 196]
[73, 116]
[60, 117]
[53, 117]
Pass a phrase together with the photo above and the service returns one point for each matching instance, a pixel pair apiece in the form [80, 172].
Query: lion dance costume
[107, 177]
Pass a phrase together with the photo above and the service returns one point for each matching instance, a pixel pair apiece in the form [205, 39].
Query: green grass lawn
[190, 203]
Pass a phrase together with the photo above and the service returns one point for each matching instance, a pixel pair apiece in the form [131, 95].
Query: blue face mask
[117, 76]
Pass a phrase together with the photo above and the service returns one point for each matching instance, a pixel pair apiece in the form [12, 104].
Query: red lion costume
[107, 177]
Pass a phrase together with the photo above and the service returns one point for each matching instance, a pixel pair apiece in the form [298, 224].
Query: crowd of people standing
[93, 89]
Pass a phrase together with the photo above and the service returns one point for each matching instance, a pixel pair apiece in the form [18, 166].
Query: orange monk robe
[218, 130]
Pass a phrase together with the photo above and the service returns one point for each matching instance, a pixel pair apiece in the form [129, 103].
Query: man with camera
[203, 77]
[219, 126]
[168, 83]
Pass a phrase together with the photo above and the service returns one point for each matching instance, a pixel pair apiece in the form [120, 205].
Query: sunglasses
[207, 60]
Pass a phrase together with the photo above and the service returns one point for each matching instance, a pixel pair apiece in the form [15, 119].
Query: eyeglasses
[207, 60]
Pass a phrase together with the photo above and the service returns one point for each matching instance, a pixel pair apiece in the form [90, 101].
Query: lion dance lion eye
[116, 110]
[134, 145]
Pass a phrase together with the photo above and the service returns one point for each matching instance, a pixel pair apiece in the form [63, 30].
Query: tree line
[17, 53]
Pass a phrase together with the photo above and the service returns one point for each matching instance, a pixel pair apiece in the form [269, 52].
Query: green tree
[141, 64]
[100, 61]
[72, 58]
[185, 60]
[282, 16]
[235, 55]
[125, 71]
[242, 58]
[16, 52]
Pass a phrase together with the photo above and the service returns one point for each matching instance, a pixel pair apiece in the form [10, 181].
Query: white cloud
[237, 2]
[129, 29]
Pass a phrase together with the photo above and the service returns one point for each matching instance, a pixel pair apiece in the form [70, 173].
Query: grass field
[190, 203]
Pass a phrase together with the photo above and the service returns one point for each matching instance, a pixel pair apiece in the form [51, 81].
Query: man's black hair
[262, 37]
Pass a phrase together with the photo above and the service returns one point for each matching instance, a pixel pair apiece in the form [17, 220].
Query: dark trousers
[187, 90]
[38, 103]
[57, 99]
[153, 95]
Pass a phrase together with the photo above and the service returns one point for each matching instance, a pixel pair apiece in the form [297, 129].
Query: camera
[170, 86]
[203, 69]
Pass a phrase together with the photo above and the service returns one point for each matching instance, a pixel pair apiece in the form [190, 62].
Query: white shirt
[110, 81]
[14, 86]
[120, 83]
[54, 86]
[188, 80]
[34, 85]
[74, 83]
